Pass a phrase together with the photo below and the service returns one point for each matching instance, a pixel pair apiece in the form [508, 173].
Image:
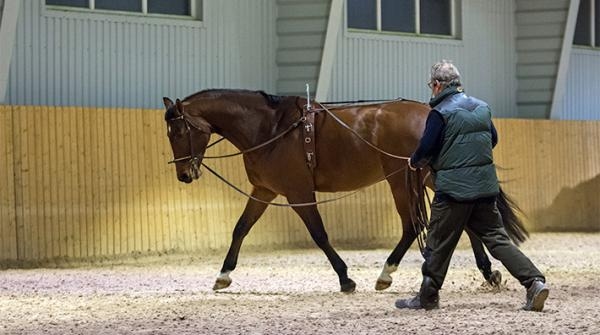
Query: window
[420, 17]
[587, 28]
[144, 7]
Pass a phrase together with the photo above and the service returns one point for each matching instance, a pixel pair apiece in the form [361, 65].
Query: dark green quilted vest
[464, 168]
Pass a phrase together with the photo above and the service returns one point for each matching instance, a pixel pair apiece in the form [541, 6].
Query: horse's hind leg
[483, 262]
[312, 219]
[254, 209]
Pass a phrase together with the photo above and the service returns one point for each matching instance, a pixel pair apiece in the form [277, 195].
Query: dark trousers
[449, 219]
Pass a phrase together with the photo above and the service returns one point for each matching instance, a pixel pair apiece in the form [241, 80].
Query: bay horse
[345, 162]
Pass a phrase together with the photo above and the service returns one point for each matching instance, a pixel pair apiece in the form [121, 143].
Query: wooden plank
[534, 111]
[52, 188]
[116, 184]
[536, 84]
[38, 219]
[88, 182]
[541, 5]
[303, 72]
[8, 229]
[542, 17]
[21, 165]
[540, 30]
[537, 96]
[302, 10]
[538, 57]
[539, 44]
[74, 201]
[92, 167]
[294, 87]
[301, 26]
[299, 57]
[534, 70]
[313, 40]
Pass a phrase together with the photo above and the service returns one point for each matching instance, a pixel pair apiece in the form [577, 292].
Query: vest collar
[448, 91]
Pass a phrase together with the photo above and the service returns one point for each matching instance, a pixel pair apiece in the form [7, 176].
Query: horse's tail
[512, 223]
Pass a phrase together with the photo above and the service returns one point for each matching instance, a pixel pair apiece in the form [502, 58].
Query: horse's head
[189, 136]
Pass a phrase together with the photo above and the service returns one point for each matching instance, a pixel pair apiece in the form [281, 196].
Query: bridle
[191, 158]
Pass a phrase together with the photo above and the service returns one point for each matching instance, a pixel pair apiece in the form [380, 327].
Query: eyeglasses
[432, 83]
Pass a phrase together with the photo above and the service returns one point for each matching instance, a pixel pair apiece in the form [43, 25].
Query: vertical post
[563, 64]
[329, 49]
[417, 16]
[307, 97]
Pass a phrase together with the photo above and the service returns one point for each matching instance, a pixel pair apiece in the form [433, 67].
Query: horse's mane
[272, 100]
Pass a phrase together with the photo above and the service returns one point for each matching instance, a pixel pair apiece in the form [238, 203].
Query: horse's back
[346, 162]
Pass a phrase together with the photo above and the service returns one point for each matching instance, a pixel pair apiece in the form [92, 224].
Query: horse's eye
[168, 130]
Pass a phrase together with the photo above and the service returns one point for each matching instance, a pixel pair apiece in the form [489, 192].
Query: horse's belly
[341, 178]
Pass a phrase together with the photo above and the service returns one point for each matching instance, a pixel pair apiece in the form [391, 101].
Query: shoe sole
[539, 300]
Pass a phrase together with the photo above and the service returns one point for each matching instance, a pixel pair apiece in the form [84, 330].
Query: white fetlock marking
[224, 276]
[385, 275]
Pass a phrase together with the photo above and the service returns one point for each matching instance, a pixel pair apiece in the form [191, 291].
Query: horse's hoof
[495, 279]
[221, 283]
[382, 284]
[349, 286]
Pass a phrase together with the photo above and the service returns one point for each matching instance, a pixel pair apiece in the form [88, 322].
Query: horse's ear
[179, 106]
[168, 102]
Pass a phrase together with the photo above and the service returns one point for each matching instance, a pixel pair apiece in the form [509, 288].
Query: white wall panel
[385, 66]
[69, 58]
[581, 100]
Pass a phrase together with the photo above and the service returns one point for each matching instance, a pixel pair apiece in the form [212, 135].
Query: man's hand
[411, 166]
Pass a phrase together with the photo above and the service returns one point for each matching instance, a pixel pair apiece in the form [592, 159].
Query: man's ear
[168, 102]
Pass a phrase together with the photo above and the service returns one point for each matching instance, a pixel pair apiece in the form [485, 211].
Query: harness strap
[256, 147]
[309, 138]
[304, 204]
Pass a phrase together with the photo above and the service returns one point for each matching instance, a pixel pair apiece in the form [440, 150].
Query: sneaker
[536, 296]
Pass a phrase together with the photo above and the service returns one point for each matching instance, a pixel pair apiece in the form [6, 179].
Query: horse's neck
[241, 125]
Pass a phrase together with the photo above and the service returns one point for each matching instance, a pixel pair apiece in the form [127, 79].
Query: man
[457, 145]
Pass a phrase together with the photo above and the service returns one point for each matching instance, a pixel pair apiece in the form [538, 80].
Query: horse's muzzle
[193, 173]
[185, 178]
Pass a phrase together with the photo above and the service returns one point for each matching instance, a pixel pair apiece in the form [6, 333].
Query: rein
[419, 199]
[360, 137]
[256, 147]
[279, 204]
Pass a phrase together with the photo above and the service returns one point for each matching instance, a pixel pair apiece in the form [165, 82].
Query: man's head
[443, 74]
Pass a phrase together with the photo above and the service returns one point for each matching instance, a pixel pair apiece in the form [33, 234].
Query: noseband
[191, 158]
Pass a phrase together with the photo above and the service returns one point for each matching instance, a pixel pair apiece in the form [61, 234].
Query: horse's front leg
[483, 262]
[312, 219]
[253, 211]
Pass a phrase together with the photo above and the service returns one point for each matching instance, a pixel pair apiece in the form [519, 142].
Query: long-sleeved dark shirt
[433, 139]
